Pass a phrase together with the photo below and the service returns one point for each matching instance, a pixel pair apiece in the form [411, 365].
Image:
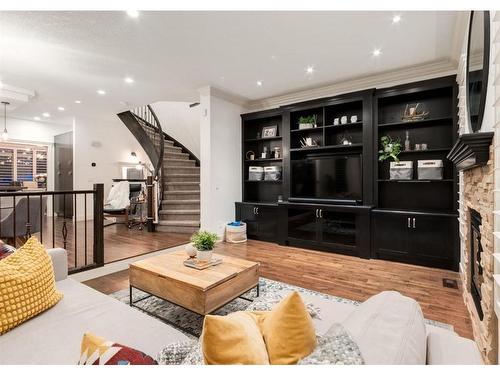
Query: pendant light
[5, 135]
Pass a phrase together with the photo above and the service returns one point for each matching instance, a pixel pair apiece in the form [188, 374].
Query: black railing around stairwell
[58, 219]
[149, 122]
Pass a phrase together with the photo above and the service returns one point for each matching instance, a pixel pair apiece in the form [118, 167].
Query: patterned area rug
[271, 292]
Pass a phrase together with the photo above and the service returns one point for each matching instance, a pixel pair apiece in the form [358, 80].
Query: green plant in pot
[390, 148]
[204, 242]
[306, 122]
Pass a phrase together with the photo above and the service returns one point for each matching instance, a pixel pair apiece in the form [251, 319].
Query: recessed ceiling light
[310, 70]
[377, 52]
[133, 13]
[101, 92]
[36, 118]
[78, 101]
[259, 83]
[396, 19]
[46, 114]
[128, 80]
[60, 109]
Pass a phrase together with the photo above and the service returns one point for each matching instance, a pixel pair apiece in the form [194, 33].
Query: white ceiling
[65, 56]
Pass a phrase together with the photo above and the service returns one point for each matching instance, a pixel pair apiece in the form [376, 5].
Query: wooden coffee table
[200, 291]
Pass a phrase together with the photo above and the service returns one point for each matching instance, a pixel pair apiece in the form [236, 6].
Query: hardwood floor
[342, 276]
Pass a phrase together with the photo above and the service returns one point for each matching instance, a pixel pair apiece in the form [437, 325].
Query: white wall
[220, 151]
[108, 144]
[180, 122]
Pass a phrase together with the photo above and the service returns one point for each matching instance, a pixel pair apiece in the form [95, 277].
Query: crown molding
[387, 79]
[224, 95]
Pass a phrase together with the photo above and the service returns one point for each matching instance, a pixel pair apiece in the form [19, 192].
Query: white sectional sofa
[54, 337]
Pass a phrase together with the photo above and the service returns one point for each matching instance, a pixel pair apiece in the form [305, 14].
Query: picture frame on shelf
[270, 131]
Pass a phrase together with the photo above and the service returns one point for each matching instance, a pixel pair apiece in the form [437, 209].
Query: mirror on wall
[478, 54]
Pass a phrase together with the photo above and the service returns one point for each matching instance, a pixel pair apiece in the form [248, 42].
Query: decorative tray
[201, 265]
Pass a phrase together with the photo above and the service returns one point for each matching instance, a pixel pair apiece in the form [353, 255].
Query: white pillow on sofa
[389, 329]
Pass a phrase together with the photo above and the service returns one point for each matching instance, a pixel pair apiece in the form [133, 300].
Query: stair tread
[175, 183]
[180, 201]
[180, 223]
[181, 191]
[180, 212]
[183, 174]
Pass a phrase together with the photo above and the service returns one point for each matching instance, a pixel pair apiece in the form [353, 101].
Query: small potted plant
[307, 122]
[204, 242]
[390, 149]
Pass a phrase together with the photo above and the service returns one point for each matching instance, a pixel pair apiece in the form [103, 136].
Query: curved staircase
[178, 172]
[180, 206]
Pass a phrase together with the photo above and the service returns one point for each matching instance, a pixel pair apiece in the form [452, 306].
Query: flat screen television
[327, 177]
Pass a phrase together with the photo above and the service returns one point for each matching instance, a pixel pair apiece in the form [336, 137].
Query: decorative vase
[190, 250]
[204, 256]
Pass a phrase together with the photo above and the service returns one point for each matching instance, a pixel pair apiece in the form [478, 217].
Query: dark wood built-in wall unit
[359, 211]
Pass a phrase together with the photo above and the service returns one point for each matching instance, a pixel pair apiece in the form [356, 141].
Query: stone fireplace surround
[477, 194]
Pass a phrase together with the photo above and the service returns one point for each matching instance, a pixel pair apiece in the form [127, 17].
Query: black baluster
[64, 228]
[53, 221]
[41, 218]
[75, 229]
[14, 217]
[85, 225]
[28, 224]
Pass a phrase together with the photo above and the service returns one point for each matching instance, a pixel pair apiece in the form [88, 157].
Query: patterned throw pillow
[99, 351]
[6, 250]
[336, 347]
[27, 285]
[181, 353]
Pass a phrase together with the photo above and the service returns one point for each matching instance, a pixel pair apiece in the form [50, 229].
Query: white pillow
[389, 330]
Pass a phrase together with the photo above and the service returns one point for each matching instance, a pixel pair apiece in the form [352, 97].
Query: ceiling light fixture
[396, 19]
[310, 70]
[78, 101]
[133, 13]
[101, 92]
[259, 83]
[60, 109]
[5, 135]
[128, 80]
[36, 118]
[377, 52]
[46, 114]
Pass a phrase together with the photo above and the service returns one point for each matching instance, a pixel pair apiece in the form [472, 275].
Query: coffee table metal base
[133, 303]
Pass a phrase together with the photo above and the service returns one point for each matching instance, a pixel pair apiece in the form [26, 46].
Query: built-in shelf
[333, 147]
[343, 126]
[306, 130]
[418, 181]
[418, 122]
[262, 139]
[425, 151]
[265, 181]
[263, 160]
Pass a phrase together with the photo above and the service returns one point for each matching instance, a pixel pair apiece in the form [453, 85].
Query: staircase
[176, 169]
[180, 206]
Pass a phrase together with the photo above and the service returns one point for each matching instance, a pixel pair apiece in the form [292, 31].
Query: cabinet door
[247, 214]
[267, 221]
[302, 224]
[433, 240]
[338, 229]
[390, 237]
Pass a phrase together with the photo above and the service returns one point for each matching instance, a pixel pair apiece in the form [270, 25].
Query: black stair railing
[145, 126]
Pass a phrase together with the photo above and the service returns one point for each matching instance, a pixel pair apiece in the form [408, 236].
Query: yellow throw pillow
[27, 285]
[233, 339]
[288, 331]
